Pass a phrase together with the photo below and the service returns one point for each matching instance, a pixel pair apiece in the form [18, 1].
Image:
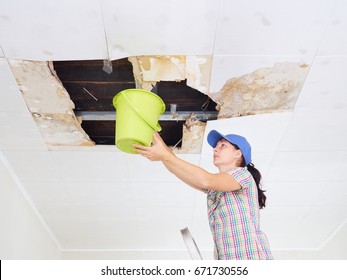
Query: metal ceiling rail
[166, 116]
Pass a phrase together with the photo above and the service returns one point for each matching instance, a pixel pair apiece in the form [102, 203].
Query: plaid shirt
[234, 221]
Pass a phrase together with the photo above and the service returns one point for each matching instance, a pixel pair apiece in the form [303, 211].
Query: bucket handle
[157, 127]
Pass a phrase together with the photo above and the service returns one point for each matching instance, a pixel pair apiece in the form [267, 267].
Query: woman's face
[225, 154]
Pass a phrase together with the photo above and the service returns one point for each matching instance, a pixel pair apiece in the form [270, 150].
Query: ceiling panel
[143, 170]
[318, 130]
[325, 86]
[159, 27]
[200, 199]
[69, 166]
[19, 132]
[311, 233]
[247, 27]
[280, 224]
[49, 30]
[164, 194]
[309, 166]
[9, 90]
[333, 195]
[126, 237]
[309, 193]
[80, 194]
[335, 41]
[160, 227]
[200, 229]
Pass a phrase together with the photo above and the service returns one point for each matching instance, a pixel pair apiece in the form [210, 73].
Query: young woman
[234, 196]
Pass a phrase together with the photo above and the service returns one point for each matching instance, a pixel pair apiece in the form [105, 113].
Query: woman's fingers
[139, 149]
[156, 138]
[154, 152]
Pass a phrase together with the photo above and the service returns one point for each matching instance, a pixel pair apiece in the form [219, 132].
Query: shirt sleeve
[242, 176]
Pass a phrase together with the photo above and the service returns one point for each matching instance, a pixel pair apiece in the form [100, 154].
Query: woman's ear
[239, 155]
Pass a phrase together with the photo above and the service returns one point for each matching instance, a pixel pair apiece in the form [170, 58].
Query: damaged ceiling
[71, 101]
[92, 91]
[243, 66]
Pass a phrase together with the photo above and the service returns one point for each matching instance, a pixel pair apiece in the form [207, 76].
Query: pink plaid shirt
[234, 221]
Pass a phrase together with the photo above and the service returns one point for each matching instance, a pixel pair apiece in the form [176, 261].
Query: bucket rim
[163, 107]
[155, 127]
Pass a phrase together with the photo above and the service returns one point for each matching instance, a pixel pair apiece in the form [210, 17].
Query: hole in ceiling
[92, 90]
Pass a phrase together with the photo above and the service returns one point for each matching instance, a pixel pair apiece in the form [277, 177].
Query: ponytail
[257, 178]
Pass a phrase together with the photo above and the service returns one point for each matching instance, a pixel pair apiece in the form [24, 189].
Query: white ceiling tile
[126, 238]
[9, 90]
[335, 40]
[34, 166]
[71, 166]
[92, 194]
[263, 161]
[163, 194]
[309, 166]
[316, 130]
[225, 67]
[1, 52]
[93, 225]
[200, 229]
[263, 131]
[52, 31]
[173, 217]
[19, 132]
[311, 233]
[269, 28]
[281, 224]
[207, 162]
[159, 27]
[311, 193]
[153, 220]
[192, 158]
[144, 170]
[95, 166]
[325, 86]
[200, 199]
[77, 218]
[331, 194]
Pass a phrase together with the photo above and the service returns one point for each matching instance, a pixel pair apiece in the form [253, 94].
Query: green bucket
[137, 118]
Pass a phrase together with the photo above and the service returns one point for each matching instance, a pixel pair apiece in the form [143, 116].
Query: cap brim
[213, 137]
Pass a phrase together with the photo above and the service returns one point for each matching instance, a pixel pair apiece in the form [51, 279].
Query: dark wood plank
[82, 94]
[91, 70]
[103, 132]
[186, 98]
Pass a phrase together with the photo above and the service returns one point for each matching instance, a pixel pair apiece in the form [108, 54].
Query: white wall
[22, 234]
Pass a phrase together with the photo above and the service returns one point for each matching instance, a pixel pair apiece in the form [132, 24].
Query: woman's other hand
[159, 151]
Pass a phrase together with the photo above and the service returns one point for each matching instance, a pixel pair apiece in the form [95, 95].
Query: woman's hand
[159, 151]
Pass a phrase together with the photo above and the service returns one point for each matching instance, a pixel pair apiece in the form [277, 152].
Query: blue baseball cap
[214, 136]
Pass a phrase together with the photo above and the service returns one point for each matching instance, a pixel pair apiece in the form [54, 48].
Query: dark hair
[257, 178]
